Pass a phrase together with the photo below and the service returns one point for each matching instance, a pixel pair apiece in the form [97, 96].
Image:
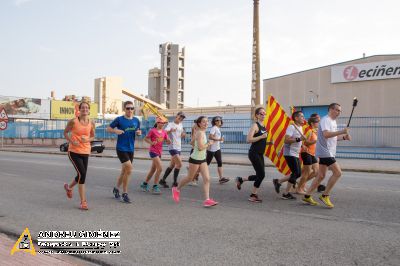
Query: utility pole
[255, 77]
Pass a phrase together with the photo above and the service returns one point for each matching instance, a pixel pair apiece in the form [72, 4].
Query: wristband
[298, 139]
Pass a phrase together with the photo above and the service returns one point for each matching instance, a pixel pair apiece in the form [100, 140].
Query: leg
[81, 181]
[151, 172]
[336, 174]
[321, 175]
[158, 165]
[305, 173]
[260, 173]
[127, 169]
[206, 180]
[193, 169]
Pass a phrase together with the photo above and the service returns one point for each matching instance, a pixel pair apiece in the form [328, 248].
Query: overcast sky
[63, 45]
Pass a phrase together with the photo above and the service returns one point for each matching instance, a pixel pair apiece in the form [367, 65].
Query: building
[374, 80]
[107, 93]
[166, 85]
[154, 85]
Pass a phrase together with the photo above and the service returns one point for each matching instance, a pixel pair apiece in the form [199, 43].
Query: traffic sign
[3, 125]
[3, 115]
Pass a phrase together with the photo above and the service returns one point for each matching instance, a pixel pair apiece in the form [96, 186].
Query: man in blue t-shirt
[126, 127]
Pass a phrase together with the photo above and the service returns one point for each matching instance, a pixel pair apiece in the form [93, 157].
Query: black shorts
[328, 161]
[308, 159]
[193, 161]
[125, 156]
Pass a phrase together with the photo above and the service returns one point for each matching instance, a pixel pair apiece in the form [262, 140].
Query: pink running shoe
[68, 190]
[175, 194]
[209, 203]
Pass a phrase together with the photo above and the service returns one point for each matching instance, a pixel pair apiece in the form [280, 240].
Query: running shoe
[288, 196]
[209, 203]
[277, 186]
[239, 182]
[326, 201]
[223, 180]
[125, 198]
[175, 184]
[193, 183]
[321, 188]
[310, 201]
[116, 193]
[175, 194]
[156, 190]
[145, 187]
[254, 198]
[68, 191]
[163, 183]
[84, 206]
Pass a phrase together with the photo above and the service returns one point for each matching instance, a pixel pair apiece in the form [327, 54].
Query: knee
[178, 165]
[158, 169]
[338, 174]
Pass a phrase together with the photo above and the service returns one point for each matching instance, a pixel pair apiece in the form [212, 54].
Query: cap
[180, 113]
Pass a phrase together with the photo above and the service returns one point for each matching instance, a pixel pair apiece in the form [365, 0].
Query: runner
[328, 135]
[310, 162]
[176, 132]
[155, 138]
[197, 161]
[126, 127]
[291, 150]
[79, 132]
[192, 138]
[257, 136]
[214, 151]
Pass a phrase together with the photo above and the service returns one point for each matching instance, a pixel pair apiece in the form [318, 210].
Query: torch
[355, 101]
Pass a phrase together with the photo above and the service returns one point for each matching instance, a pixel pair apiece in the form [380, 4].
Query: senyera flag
[276, 122]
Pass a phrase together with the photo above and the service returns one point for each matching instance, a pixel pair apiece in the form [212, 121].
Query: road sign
[3, 119]
[3, 125]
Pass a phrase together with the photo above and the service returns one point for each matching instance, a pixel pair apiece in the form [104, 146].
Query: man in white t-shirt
[175, 132]
[328, 135]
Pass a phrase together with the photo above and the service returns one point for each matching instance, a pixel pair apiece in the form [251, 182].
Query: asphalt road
[362, 229]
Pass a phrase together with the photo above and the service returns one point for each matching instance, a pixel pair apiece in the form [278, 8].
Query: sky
[63, 45]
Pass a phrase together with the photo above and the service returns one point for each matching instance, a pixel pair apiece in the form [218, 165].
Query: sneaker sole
[208, 206]
[255, 201]
[329, 207]
[309, 203]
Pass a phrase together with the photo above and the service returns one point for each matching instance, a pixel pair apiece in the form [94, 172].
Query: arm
[92, 132]
[68, 129]
[113, 127]
[200, 141]
[252, 131]
[167, 139]
[331, 134]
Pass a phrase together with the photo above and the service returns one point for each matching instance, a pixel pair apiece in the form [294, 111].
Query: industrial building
[374, 80]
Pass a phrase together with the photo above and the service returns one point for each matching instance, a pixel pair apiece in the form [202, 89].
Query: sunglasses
[262, 113]
[130, 108]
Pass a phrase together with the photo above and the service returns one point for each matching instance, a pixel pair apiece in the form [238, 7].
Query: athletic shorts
[308, 159]
[125, 156]
[328, 161]
[154, 155]
[193, 161]
[174, 152]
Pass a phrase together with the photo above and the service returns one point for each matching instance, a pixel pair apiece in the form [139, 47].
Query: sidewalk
[354, 165]
[24, 258]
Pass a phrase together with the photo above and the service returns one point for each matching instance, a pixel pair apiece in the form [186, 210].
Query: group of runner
[320, 142]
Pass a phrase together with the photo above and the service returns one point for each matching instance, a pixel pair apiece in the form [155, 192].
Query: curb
[374, 171]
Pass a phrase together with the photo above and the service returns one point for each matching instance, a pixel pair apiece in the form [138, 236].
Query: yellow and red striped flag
[276, 122]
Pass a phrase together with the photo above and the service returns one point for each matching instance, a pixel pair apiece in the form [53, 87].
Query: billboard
[22, 107]
[368, 71]
[69, 109]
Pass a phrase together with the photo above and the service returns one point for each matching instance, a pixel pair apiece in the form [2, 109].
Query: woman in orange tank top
[310, 162]
[79, 132]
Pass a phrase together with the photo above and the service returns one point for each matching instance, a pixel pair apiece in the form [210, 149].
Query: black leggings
[295, 167]
[80, 163]
[257, 160]
[217, 155]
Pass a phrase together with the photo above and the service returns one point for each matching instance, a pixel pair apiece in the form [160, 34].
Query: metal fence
[372, 137]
